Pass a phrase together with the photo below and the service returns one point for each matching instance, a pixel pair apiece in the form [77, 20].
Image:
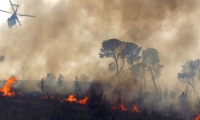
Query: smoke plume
[65, 37]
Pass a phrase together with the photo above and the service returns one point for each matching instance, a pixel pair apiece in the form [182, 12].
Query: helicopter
[12, 20]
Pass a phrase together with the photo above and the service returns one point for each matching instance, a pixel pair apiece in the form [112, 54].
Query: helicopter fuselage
[11, 21]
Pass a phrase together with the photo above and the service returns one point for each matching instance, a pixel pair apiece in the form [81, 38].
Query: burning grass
[6, 88]
[119, 107]
[72, 98]
[94, 98]
[135, 109]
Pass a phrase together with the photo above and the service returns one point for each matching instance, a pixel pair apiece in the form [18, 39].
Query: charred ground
[35, 108]
[47, 106]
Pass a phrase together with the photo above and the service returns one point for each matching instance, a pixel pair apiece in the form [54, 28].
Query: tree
[77, 87]
[151, 61]
[138, 71]
[116, 49]
[184, 101]
[60, 80]
[190, 73]
[42, 86]
[50, 77]
[131, 52]
[50, 81]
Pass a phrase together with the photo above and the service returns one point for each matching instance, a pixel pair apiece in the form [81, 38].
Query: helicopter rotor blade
[18, 20]
[26, 15]
[12, 6]
[6, 11]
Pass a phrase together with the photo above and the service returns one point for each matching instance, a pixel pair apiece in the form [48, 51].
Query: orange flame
[135, 109]
[84, 101]
[71, 98]
[120, 107]
[198, 117]
[6, 88]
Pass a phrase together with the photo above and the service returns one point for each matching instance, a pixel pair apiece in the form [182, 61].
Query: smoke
[65, 37]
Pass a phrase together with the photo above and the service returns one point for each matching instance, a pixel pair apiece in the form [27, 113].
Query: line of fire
[8, 91]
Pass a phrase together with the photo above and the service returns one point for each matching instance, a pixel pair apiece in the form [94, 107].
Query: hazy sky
[65, 37]
[4, 5]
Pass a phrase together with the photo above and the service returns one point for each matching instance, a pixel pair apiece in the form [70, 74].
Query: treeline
[52, 85]
[142, 63]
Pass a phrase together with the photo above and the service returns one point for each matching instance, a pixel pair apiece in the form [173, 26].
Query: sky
[4, 5]
[66, 36]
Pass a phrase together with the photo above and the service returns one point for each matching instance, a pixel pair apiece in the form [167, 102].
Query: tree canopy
[151, 61]
[116, 49]
[190, 73]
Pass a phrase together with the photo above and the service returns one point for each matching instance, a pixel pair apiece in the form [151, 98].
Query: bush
[96, 95]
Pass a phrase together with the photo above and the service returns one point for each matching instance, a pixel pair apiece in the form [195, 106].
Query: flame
[84, 101]
[6, 88]
[120, 107]
[135, 109]
[71, 98]
[198, 117]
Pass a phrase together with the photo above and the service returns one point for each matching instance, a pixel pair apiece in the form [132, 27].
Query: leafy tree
[112, 48]
[42, 85]
[151, 61]
[50, 77]
[60, 80]
[118, 50]
[77, 87]
[190, 73]
[184, 101]
[131, 52]
[50, 80]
